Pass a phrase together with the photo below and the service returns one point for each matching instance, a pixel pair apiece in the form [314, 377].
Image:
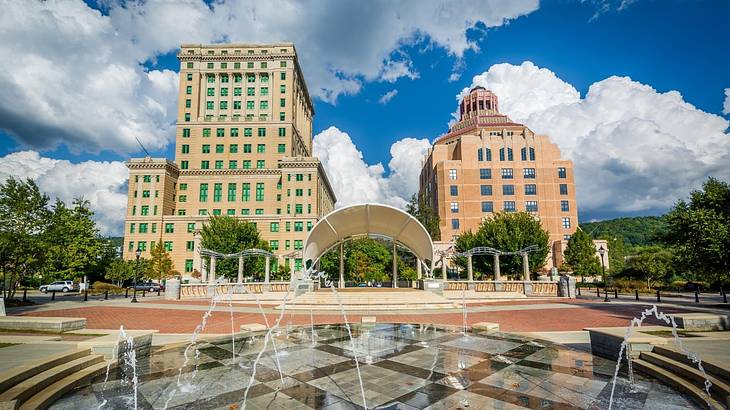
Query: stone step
[31, 386]
[719, 390]
[370, 307]
[18, 374]
[55, 391]
[712, 369]
[698, 395]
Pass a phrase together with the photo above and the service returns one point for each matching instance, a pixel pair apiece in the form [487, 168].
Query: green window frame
[282, 102]
[282, 131]
[274, 227]
[298, 209]
[205, 149]
[262, 132]
[224, 92]
[219, 164]
[298, 226]
[189, 246]
[260, 164]
[169, 228]
[131, 227]
[168, 246]
[220, 148]
[246, 164]
[282, 76]
[249, 105]
[210, 92]
[186, 132]
[185, 149]
[231, 192]
[281, 148]
[250, 91]
[259, 191]
[246, 192]
[261, 148]
[220, 132]
[188, 265]
[234, 132]
[183, 186]
[246, 148]
[237, 91]
[188, 103]
[203, 196]
[183, 164]
[237, 78]
[264, 90]
[224, 105]
[189, 65]
[282, 116]
[217, 191]
[237, 105]
[282, 88]
[191, 227]
[274, 245]
[248, 132]
[264, 105]
[233, 164]
[189, 89]
[182, 198]
[224, 77]
[233, 149]
[206, 132]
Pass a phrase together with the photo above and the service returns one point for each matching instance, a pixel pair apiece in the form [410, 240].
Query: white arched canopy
[366, 219]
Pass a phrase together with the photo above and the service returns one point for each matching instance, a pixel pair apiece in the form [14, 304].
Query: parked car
[60, 286]
[149, 286]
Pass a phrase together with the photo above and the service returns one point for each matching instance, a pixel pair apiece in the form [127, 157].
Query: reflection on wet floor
[402, 367]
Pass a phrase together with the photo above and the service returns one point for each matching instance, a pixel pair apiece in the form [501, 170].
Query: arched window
[489, 154]
[510, 157]
[501, 154]
[480, 155]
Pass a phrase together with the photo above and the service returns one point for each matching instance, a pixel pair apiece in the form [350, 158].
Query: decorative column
[197, 258]
[395, 265]
[203, 269]
[419, 269]
[240, 269]
[342, 265]
[212, 269]
[469, 270]
[267, 270]
[525, 267]
[497, 275]
[443, 267]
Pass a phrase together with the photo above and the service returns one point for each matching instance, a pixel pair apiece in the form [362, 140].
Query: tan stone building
[243, 148]
[487, 163]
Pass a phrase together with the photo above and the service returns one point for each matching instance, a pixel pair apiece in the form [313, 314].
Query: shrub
[101, 287]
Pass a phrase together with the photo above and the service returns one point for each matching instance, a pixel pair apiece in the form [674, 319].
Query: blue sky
[666, 45]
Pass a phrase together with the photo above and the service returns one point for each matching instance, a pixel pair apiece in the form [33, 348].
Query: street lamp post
[602, 251]
[137, 254]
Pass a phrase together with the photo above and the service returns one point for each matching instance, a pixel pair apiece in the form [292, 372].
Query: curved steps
[719, 390]
[18, 374]
[50, 394]
[697, 393]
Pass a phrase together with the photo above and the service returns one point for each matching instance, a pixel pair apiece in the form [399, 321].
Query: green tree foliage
[120, 270]
[616, 253]
[580, 255]
[160, 266]
[73, 245]
[636, 231]
[226, 234]
[699, 230]
[422, 210]
[367, 259]
[651, 264]
[507, 232]
[24, 218]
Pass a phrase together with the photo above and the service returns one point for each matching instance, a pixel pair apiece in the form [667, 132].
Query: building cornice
[220, 172]
[309, 162]
[153, 163]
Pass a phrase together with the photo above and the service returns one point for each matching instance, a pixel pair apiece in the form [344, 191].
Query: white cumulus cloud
[77, 76]
[726, 105]
[634, 149]
[103, 184]
[354, 181]
[385, 98]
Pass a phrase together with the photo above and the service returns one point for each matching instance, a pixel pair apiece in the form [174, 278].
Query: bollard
[637, 294]
[106, 294]
[697, 297]
[615, 293]
[53, 295]
[578, 291]
[86, 295]
[724, 297]
[598, 292]
[658, 296]
[25, 294]
[126, 293]
[143, 292]
[158, 291]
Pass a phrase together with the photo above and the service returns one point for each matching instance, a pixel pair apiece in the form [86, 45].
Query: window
[246, 148]
[282, 88]
[298, 246]
[219, 148]
[246, 164]
[282, 102]
[188, 103]
[566, 223]
[298, 209]
[508, 189]
[224, 105]
[189, 65]
[232, 164]
[288, 226]
[248, 132]
[531, 206]
[131, 228]
[209, 105]
[182, 198]
[452, 174]
[480, 155]
[564, 206]
[224, 92]
[185, 149]
[168, 246]
[282, 76]
[528, 173]
[454, 223]
[487, 206]
[562, 173]
[532, 154]
[454, 190]
[274, 227]
[189, 89]
[237, 93]
[211, 92]
[205, 148]
[509, 206]
[202, 212]
[217, 192]
[264, 90]
[507, 173]
[262, 132]
[206, 132]
[282, 116]
[489, 153]
[191, 227]
[203, 193]
[184, 164]
[485, 173]
[204, 164]
[455, 207]
[183, 187]
[186, 132]
[187, 117]
[264, 64]
[274, 245]
[282, 132]
[530, 189]
[260, 164]
[146, 194]
[509, 154]
[231, 192]
[251, 78]
[282, 64]
[189, 246]
[563, 189]
[298, 226]
[309, 225]
[169, 228]
[142, 246]
[486, 190]
[264, 78]
[281, 148]
[216, 212]
[259, 191]
[261, 148]
[188, 265]
[299, 192]
[264, 105]
[219, 164]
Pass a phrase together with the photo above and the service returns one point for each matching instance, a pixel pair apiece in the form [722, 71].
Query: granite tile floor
[401, 367]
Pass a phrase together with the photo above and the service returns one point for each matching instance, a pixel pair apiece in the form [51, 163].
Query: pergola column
[342, 265]
[497, 275]
[443, 267]
[212, 269]
[525, 267]
[395, 265]
[240, 269]
[469, 269]
[203, 269]
[419, 269]
[267, 269]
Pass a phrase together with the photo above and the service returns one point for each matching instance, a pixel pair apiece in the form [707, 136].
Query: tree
[699, 231]
[507, 232]
[580, 255]
[226, 234]
[616, 253]
[421, 209]
[635, 231]
[651, 263]
[160, 266]
[24, 217]
[73, 245]
[365, 259]
[120, 270]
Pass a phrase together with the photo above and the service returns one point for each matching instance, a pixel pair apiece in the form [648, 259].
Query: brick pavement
[184, 321]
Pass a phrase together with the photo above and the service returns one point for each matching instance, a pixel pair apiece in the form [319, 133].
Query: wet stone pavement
[401, 366]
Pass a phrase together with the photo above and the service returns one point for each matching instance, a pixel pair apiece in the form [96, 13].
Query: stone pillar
[267, 270]
[212, 269]
[525, 267]
[469, 269]
[197, 259]
[419, 270]
[443, 268]
[497, 275]
[240, 269]
[172, 289]
[342, 265]
[203, 270]
[395, 265]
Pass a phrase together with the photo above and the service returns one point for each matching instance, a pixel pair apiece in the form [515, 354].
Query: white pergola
[369, 219]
